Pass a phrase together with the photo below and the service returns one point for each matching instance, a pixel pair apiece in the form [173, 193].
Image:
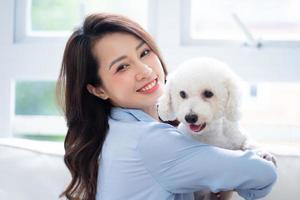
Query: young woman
[116, 147]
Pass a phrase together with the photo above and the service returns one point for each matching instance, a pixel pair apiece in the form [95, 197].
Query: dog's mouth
[196, 128]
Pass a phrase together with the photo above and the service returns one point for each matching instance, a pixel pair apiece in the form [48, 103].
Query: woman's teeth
[149, 86]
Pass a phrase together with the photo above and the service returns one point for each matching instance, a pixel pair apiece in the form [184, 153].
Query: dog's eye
[208, 94]
[182, 94]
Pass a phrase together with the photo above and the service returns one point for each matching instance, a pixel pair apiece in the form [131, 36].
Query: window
[40, 19]
[53, 15]
[254, 21]
[36, 114]
[271, 112]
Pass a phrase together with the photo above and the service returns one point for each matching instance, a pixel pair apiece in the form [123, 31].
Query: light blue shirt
[143, 159]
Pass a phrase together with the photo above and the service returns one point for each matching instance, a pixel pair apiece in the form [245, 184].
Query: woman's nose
[144, 71]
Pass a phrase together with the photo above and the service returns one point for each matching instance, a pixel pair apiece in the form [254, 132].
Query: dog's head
[199, 91]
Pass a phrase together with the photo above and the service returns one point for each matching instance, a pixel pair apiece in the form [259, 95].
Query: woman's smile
[149, 87]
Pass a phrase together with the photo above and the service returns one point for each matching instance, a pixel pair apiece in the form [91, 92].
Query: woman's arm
[182, 165]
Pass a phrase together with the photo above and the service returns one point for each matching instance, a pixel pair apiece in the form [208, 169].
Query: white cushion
[31, 170]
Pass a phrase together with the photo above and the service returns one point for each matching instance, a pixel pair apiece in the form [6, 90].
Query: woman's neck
[152, 111]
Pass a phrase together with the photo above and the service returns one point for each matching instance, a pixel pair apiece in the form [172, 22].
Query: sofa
[34, 170]
[31, 170]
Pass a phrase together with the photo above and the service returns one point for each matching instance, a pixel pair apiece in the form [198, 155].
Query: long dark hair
[86, 114]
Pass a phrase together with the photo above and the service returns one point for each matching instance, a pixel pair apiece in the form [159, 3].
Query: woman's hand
[251, 145]
[266, 155]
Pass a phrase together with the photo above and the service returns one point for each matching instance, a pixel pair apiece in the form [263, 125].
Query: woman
[116, 147]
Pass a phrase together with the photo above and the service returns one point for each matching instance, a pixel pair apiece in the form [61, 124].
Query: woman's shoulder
[128, 119]
[142, 127]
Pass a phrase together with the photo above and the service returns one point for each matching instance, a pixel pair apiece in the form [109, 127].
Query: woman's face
[131, 73]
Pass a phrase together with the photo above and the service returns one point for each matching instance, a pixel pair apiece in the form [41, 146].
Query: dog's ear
[232, 107]
[165, 107]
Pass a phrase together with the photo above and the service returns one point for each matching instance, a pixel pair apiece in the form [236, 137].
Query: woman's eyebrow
[117, 60]
[123, 57]
[140, 45]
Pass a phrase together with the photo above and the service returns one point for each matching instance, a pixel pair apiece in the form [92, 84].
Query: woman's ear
[97, 91]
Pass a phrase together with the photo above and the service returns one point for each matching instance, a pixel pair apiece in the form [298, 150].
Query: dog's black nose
[191, 118]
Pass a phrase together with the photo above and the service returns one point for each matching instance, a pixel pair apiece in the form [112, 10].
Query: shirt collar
[130, 114]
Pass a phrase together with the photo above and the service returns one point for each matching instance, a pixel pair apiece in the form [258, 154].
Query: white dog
[204, 95]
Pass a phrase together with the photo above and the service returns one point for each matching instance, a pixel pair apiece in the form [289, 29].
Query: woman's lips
[149, 87]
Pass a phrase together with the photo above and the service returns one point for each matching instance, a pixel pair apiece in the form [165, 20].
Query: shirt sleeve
[183, 165]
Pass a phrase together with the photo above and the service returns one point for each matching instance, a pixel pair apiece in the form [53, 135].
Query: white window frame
[42, 123]
[187, 40]
[22, 24]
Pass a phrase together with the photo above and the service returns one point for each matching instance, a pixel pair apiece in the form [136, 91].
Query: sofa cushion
[31, 170]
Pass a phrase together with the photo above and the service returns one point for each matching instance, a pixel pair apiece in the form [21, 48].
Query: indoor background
[259, 40]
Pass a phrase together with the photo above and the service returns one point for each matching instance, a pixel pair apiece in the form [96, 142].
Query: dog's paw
[266, 155]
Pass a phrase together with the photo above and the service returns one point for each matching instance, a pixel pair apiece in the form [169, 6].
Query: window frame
[17, 120]
[187, 40]
[21, 32]
[22, 22]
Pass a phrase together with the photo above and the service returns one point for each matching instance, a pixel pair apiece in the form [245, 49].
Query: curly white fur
[220, 113]
[212, 97]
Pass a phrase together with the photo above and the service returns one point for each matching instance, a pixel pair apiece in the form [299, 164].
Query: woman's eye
[122, 67]
[145, 52]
